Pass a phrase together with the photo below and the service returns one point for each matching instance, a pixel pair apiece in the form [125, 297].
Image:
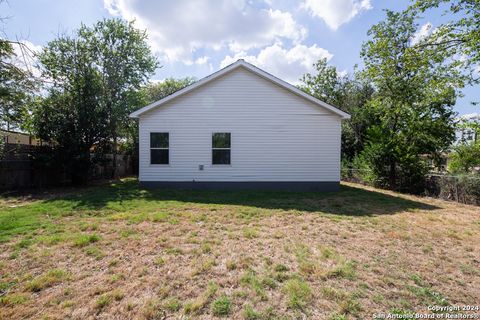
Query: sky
[198, 37]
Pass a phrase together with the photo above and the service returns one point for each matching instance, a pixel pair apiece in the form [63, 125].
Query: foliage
[464, 158]
[156, 91]
[16, 86]
[464, 188]
[325, 85]
[94, 78]
[413, 103]
[125, 62]
[459, 36]
[71, 114]
[350, 95]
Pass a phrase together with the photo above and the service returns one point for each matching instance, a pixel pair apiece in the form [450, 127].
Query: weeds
[84, 240]
[173, 304]
[250, 314]
[221, 306]
[49, 279]
[13, 299]
[201, 301]
[298, 293]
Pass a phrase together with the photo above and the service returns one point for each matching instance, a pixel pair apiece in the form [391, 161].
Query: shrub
[410, 169]
[465, 158]
[462, 188]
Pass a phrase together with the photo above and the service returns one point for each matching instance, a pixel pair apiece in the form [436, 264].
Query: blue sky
[197, 37]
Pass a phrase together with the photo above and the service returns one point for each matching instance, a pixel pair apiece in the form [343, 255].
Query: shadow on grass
[349, 201]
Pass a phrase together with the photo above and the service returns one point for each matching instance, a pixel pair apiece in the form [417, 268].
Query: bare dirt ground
[117, 252]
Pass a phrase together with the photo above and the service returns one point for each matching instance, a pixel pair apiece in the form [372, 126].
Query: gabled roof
[241, 64]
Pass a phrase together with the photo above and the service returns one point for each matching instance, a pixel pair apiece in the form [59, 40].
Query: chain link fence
[460, 188]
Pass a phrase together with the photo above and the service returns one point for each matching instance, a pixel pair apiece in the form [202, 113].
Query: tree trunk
[114, 159]
[80, 168]
[393, 175]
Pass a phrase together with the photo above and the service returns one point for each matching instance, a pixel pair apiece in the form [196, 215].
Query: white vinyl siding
[275, 134]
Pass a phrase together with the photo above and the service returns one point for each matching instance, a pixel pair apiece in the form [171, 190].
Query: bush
[358, 171]
[465, 158]
[409, 168]
[462, 188]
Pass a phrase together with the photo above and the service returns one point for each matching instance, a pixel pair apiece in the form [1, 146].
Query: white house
[240, 127]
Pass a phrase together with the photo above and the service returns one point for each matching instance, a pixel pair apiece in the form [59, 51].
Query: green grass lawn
[116, 249]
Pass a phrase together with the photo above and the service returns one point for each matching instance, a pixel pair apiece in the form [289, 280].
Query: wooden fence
[18, 169]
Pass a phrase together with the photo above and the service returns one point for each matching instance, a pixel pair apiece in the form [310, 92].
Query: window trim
[156, 148]
[229, 149]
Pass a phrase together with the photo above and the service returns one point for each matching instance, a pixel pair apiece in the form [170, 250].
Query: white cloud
[202, 60]
[177, 29]
[287, 64]
[336, 12]
[424, 31]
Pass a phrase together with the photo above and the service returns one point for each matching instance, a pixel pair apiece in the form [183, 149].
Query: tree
[348, 94]
[71, 115]
[96, 77]
[125, 62]
[325, 84]
[460, 36]
[156, 91]
[416, 90]
[465, 158]
[16, 86]
[150, 93]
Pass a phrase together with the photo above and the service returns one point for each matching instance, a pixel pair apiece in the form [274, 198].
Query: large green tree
[125, 62]
[416, 89]
[71, 115]
[94, 79]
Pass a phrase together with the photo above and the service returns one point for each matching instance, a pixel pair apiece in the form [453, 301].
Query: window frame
[159, 148]
[229, 149]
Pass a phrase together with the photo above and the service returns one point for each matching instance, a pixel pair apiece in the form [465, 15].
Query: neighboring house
[240, 127]
[13, 137]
